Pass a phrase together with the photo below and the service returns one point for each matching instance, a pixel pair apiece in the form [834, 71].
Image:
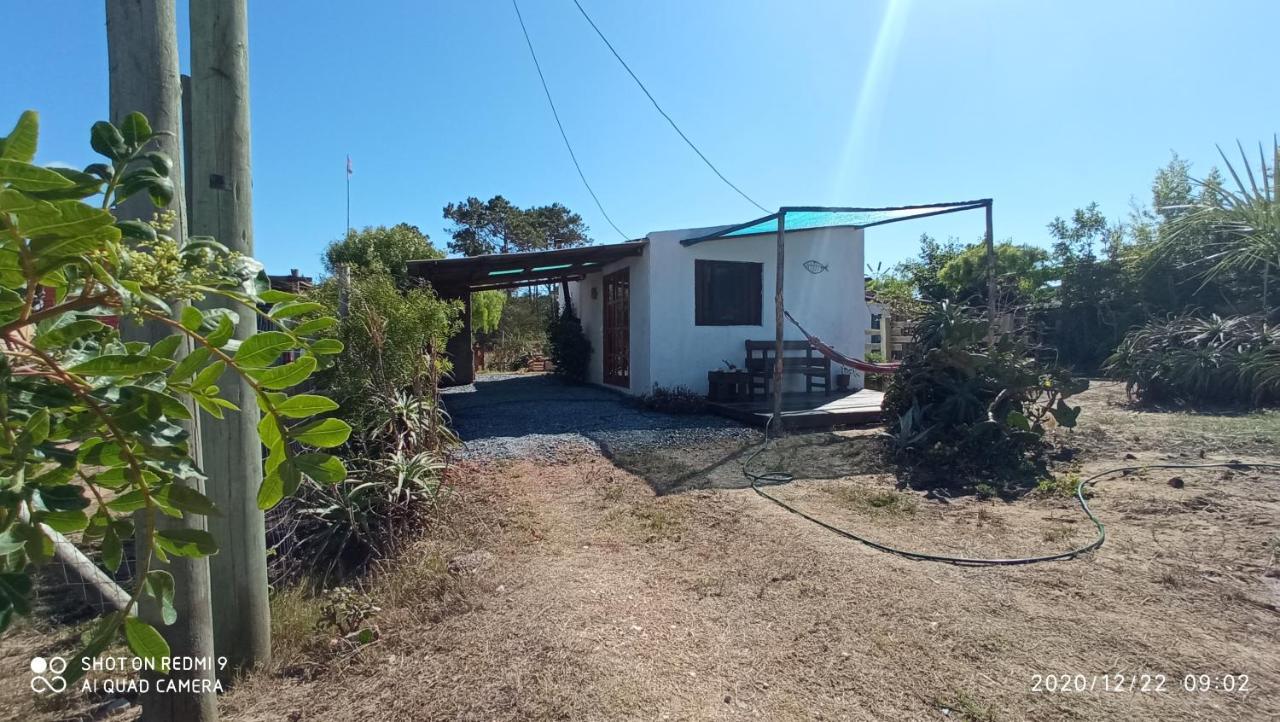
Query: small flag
[348, 166]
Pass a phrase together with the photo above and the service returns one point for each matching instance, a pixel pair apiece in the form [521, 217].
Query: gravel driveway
[505, 416]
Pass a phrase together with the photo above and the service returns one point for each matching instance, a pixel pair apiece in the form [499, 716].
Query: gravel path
[506, 416]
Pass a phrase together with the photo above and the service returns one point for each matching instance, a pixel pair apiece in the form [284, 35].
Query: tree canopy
[387, 248]
[497, 226]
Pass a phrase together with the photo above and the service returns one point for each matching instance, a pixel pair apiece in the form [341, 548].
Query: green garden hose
[781, 477]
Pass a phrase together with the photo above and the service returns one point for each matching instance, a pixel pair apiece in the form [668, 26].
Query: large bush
[960, 407]
[387, 381]
[1205, 361]
[570, 349]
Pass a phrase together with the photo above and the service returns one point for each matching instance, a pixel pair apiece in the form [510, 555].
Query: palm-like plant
[1244, 222]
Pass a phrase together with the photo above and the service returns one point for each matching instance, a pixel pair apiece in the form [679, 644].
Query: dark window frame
[720, 299]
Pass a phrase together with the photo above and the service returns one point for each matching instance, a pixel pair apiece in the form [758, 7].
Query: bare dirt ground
[577, 592]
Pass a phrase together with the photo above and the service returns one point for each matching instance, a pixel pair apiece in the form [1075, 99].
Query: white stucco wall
[831, 304]
[591, 313]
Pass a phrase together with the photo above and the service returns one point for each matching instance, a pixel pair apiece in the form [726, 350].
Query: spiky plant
[1244, 222]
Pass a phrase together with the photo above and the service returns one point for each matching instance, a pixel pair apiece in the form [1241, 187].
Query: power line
[560, 125]
[663, 112]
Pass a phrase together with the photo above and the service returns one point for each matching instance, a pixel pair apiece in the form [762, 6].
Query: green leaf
[1017, 420]
[280, 482]
[324, 468]
[38, 426]
[271, 491]
[20, 144]
[282, 377]
[327, 347]
[165, 347]
[269, 432]
[135, 129]
[106, 140]
[64, 335]
[304, 406]
[127, 502]
[209, 375]
[112, 550]
[137, 230]
[262, 349]
[289, 310]
[315, 325]
[186, 542]
[27, 177]
[322, 434]
[71, 520]
[121, 365]
[184, 498]
[160, 162]
[220, 335]
[192, 318]
[274, 296]
[146, 642]
[160, 587]
[188, 365]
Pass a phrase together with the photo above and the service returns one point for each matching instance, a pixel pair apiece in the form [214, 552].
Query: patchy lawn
[565, 587]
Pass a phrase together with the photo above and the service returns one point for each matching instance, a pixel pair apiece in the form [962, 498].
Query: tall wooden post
[142, 55]
[992, 319]
[777, 319]
[222, 195]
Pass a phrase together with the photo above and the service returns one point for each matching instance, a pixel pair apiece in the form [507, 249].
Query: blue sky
[1042, 106]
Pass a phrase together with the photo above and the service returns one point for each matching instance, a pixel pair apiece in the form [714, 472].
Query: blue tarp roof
[806, 218]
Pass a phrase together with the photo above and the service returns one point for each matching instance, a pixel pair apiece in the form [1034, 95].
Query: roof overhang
[511, 270]
[808, 218]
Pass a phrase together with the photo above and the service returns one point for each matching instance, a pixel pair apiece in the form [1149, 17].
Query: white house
[667, 309]
[675, 311]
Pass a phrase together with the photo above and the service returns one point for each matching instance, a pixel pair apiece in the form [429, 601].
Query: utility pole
[222, 207]
[778, 309]
[142, 56]
[992, 319]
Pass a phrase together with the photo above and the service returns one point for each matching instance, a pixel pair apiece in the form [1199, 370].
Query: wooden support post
[222, 195]
[142, 56]
[992, 318]
[777, 320]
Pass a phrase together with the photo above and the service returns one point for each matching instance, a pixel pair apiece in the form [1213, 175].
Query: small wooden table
[728, 385]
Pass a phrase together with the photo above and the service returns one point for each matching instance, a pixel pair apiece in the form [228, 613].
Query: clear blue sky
[1042, 106]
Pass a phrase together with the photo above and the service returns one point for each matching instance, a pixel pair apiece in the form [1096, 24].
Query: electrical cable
[560, 125]
[780, 477]
[664, 113]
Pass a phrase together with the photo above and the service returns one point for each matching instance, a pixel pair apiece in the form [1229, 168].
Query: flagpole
[348, 196]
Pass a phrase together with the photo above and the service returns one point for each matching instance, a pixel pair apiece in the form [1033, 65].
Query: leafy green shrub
[967, 408]
[84, 412]
[387, 380]
[570, 349]
[1212, 361]
[393, 340]
[673, 400]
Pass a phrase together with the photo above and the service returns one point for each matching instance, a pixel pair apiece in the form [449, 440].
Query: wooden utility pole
[992, 319]
[777, 319]
[222, 207]
[142, 55]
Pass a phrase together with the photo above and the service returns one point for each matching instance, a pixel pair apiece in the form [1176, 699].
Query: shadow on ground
[533, 416]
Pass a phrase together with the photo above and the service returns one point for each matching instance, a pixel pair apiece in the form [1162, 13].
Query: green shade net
[810, 218]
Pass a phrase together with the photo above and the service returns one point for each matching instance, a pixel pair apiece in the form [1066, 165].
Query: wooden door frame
[607, 324]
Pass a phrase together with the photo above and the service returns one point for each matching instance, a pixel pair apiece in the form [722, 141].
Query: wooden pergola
[458, 278]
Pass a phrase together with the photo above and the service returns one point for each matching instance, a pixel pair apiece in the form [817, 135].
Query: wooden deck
[808, 410]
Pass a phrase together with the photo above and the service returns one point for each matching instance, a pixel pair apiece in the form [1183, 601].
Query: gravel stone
[540, 417]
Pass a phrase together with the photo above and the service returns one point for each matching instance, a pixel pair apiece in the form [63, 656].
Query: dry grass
[588, 596]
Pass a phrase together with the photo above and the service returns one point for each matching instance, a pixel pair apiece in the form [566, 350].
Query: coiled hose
[780, 477]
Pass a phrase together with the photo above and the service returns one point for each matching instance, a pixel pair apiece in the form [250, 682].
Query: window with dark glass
[875, 320]
[727, 293]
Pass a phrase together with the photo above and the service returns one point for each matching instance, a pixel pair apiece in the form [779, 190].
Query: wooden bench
[798, 357]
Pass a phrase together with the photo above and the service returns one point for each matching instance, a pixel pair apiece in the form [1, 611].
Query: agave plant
[1244, 221]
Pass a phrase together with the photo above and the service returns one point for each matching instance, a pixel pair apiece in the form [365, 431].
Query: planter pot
[842, 381]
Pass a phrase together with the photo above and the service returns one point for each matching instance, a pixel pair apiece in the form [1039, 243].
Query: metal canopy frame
[455, 276]
[781, 217]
